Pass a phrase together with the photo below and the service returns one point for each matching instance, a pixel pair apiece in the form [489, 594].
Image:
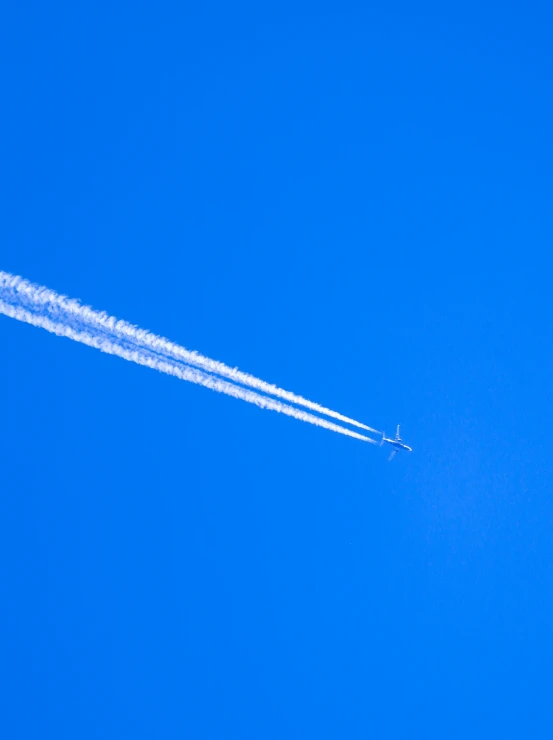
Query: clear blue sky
[352, 202]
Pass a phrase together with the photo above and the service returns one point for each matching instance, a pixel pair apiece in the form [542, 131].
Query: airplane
[396, 443]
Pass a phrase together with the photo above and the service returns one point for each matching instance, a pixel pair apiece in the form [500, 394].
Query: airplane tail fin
[382, 440]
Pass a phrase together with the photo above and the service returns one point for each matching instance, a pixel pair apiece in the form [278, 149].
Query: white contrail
[142, 357]
[54, 302]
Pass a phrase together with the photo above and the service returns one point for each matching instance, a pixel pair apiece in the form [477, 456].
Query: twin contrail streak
[54, 303]
[86, 335]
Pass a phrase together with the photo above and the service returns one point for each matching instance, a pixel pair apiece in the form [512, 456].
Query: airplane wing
[392, 455]
[397, 433]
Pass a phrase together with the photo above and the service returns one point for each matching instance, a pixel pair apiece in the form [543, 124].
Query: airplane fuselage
[397, 444]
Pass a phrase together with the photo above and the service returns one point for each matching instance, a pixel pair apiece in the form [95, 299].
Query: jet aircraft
[396, 443]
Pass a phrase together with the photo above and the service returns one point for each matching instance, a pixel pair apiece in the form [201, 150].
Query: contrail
[54, 303]
[143, 357]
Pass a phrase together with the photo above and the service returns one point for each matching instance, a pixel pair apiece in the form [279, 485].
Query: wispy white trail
[54, 302]
[193, 375]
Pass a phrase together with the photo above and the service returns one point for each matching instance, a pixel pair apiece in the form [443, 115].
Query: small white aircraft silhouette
[396, 443]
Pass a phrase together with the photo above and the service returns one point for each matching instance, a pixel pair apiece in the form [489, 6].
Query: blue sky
[354, 203]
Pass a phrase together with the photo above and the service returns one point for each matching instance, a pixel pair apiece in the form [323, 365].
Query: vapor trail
[54, 303]
[143, 357]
